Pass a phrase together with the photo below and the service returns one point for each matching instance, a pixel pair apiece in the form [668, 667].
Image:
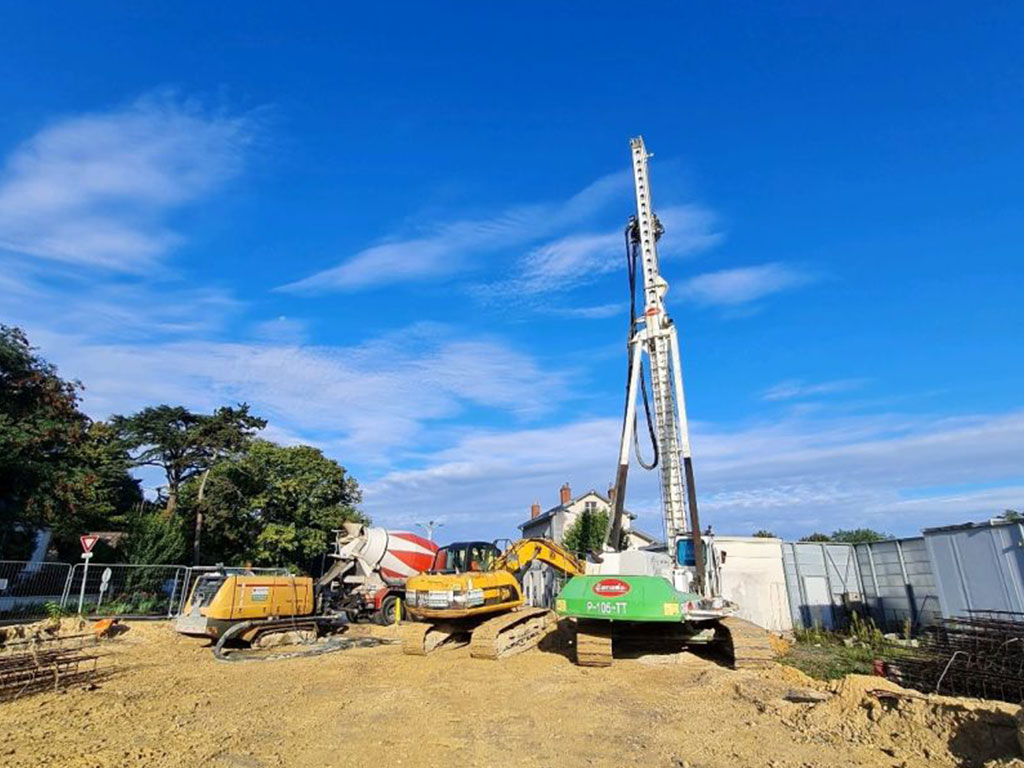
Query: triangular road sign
[88, 542]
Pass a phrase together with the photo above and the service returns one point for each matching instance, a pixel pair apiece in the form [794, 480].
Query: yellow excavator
[473, 593]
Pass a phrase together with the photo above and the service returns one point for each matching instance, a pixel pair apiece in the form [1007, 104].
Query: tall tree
[859, 536]
[273, 505]
[764, 534]
[182, 443]
[587, 532]
[57, 468]
[822, 537]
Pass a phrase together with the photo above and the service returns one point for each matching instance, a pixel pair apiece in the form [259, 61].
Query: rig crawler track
[746, 645]
[594, 643]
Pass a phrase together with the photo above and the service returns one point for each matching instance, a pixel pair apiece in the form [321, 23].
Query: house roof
[643, 535]
[548, 514]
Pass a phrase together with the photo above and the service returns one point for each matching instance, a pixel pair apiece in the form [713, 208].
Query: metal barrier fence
[131, 591]
[30, 589]
[822, 580]
[899, 586]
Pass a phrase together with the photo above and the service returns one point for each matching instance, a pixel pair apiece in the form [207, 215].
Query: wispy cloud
[571, 261]
[742, 285]
[368, 400]
[446, 249]
[596, 312]
[793, 475]
[793, 389]
[94, 190]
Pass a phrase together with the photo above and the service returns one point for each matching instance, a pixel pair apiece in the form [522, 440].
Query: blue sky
[397, 234]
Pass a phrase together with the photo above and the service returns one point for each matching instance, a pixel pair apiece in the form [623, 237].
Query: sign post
[88, 542]
[104, 583]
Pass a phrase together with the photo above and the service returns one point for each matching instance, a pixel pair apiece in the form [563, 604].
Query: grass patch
[827, 655]
[831, 661]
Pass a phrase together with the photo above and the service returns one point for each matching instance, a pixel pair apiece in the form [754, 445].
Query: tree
[184, 444]
[587, 532]
[152, 538]
[859, 536]
[58, 469]
[1012, 516]
[764, 534]
[817, 537]
[273, 505]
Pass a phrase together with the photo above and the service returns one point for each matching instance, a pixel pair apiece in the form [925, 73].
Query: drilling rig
[672, 595]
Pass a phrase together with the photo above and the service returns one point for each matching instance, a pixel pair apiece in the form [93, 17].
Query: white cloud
[734, 287]
[793, 389]
[568, 262]
[596, 312]
[446, 249]
[94, 190]
[372, 400]
[893, 472]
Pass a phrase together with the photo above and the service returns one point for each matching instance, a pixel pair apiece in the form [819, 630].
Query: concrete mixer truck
[364, 582]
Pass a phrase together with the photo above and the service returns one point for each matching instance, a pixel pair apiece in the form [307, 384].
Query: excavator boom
[523, 552]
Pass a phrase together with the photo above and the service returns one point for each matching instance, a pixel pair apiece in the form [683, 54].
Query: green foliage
[764, 534]
[828, 655]
[829, 661]
[152, 537]
[183, 443]
[859, 536]
[54, 611]
[57, 468]
[273, 505]
[587, 532]
[1012, 516]
[850, 536]
[817, 537]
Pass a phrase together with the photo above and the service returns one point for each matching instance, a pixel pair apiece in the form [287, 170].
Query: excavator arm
[524, 551]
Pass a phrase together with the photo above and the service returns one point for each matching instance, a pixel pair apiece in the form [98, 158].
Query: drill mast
[654, 333]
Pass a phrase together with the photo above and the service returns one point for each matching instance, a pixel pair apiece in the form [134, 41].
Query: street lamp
[429, 528]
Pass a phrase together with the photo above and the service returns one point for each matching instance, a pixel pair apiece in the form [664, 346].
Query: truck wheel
[386, 614]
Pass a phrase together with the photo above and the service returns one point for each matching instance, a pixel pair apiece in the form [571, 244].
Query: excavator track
[511, 633]
[746, 645]
[594, 643]
[421, 638]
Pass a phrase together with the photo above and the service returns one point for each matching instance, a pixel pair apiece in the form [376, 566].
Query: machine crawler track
[511, 633]
[421, 638]
[745, 645]
[594, 643]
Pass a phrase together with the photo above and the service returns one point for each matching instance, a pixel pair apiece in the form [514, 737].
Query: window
[468, 556]
[590, 506]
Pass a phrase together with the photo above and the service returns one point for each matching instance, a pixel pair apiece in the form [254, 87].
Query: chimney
[611, 495]
[565, 494]
[534, 510]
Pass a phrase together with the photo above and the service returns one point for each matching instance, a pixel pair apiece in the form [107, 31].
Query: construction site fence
[31, 589]
[122, 590]
[890, 582]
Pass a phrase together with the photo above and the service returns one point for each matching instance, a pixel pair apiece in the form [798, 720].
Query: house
[554, 523]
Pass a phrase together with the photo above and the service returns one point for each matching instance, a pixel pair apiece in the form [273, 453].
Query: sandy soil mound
[172, 704]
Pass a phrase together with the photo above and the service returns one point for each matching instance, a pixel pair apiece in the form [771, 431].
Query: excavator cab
[466, 557]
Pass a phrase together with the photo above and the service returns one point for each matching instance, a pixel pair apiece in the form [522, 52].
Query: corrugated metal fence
[899, 585]
[980, 567]
[946, 572]
[821, 579]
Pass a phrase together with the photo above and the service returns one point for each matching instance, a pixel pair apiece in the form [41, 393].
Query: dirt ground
[169, 703]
